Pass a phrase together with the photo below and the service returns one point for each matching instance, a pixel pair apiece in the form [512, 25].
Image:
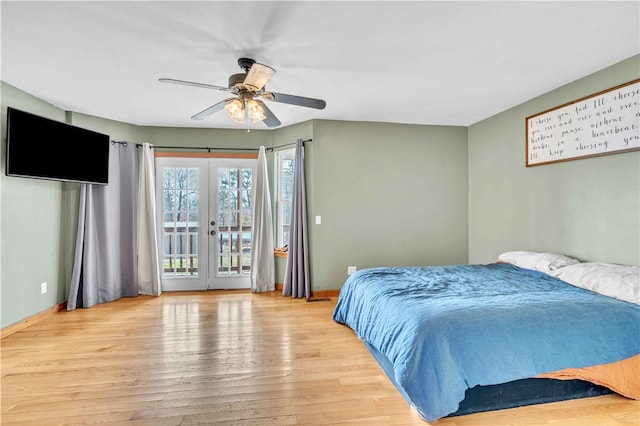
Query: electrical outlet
[351, 270]
[43, 287]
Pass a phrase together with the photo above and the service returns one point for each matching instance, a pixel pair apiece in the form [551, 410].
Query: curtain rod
[289, 144]
[209, 149]
[125, 143]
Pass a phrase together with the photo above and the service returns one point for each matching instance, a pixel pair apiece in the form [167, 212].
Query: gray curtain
[263, 275]
[296, 279]
[105, 259]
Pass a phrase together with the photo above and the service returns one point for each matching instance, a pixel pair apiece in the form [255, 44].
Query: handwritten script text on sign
[601, 124]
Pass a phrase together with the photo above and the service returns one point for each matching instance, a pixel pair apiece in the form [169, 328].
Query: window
[284, 189]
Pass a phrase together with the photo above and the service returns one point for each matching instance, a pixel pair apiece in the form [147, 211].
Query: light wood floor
[227, 358]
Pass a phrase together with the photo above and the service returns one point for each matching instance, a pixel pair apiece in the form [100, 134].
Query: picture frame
[604, 123]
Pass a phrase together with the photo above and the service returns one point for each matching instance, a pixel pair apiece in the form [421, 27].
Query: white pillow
[617, 281]
[544, 262]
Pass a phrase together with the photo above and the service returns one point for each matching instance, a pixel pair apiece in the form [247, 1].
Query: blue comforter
[444, 329]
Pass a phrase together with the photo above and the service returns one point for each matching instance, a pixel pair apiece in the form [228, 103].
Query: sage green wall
[31, 225]
[38, 219]
[587, 208]
[286, 137]
[388, 195]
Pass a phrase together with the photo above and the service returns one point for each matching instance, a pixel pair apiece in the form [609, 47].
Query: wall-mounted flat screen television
[41, 148]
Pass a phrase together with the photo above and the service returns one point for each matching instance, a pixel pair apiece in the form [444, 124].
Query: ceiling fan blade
[271, 120]
[258, 76]
[192, 83]
[295, 100]
[211, 110]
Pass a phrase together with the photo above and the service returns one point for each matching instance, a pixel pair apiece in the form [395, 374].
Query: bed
[466, 338]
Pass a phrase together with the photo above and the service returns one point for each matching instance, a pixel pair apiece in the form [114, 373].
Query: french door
[204, 216]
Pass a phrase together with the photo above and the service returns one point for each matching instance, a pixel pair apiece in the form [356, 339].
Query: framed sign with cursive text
[604, 123]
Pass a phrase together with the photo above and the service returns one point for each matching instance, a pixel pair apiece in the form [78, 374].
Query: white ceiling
[447, 63]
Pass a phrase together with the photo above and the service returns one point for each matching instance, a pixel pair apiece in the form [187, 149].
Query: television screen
[42, 148]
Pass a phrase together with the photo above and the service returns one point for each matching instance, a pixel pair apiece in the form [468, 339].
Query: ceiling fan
[247, 87]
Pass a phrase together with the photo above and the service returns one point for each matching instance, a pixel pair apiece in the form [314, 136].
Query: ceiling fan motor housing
[236, 79]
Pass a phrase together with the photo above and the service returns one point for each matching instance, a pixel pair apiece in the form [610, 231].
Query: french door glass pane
[234, 221]
[180, 204]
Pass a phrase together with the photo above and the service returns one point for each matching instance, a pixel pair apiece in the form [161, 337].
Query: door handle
[212, 232]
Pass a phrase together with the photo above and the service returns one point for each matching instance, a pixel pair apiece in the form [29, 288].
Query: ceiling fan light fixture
[255, 111]
[258, 76]
[235, 110]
